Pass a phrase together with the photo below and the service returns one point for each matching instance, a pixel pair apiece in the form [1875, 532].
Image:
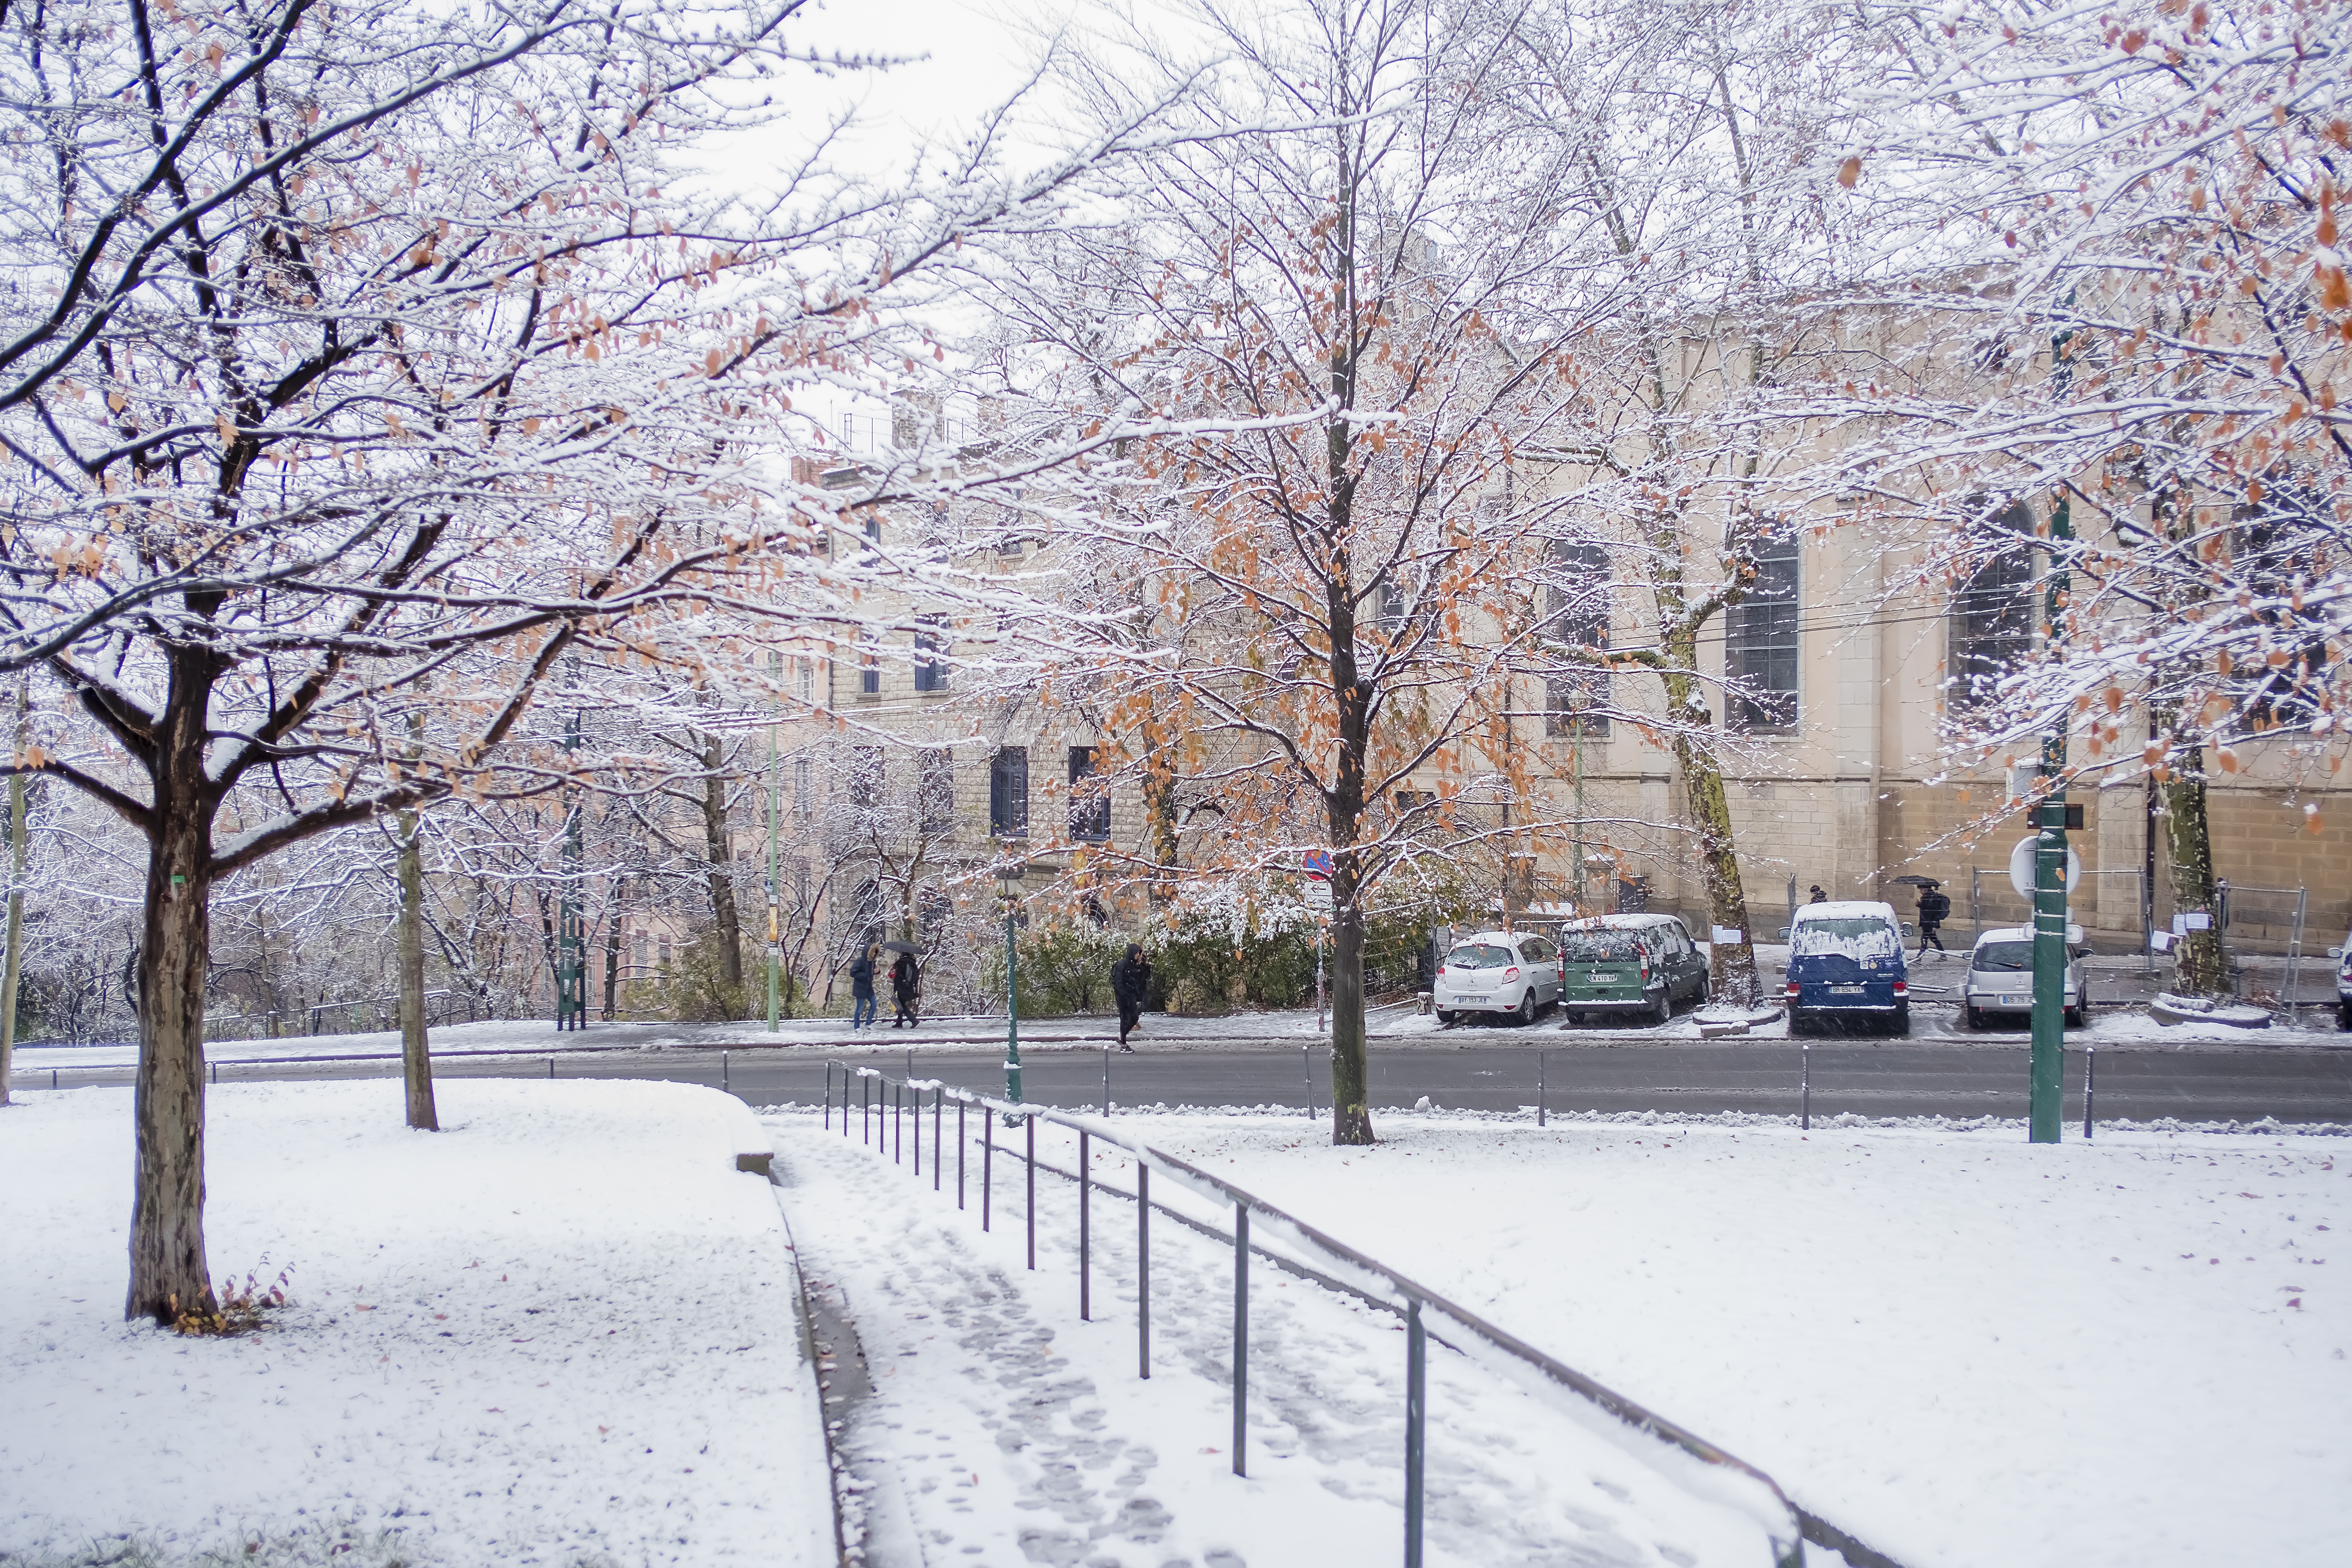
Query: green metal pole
[775, 930]
[1012, 1011]
[2044, 1102]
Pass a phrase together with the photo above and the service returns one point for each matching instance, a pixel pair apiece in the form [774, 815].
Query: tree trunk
[722, 882]
[16, 961]
[1352, 1115]
[415, 1058]
[169, 1271]
[1732, 966]
[612, 960]
[2199, 968]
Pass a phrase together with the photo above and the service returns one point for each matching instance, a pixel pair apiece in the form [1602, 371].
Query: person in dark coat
[861, 988]
[1934, 909]
[1819, 897]
[903, 981]
[1130, 982]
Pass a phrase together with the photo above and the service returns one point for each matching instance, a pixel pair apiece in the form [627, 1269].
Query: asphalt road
[1868, 1078]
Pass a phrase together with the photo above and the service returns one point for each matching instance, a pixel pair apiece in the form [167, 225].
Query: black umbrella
[1916, 882]
[899, 947]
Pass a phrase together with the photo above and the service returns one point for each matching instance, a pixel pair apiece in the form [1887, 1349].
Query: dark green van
[1641, 964]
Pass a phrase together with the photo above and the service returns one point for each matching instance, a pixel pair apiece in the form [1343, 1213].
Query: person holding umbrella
[905, 980]
[1934, 909]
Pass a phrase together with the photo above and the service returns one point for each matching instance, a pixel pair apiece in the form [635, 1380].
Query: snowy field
[1958, 1347]
[560, 1331]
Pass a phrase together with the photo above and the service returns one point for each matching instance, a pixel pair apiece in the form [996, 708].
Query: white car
[1516, 974]
[2343, 956]
[2000, 975]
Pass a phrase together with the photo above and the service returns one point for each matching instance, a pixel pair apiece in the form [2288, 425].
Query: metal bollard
[959, 1153]
[2089, 1086]
[1416, 1409]
[828, 1097]
[915, 1115]
[1307, 1067]
[1029, 1193]
[551, 1067]
[1142, 1269]
[1086, 1236]
[898, 1123]
[1241, 1339]
[1106, 1080]
[1539, 1089]
[987, 1167]
[1805, 1090]
[865, 1111]
[939, 1103]
[724, 1087]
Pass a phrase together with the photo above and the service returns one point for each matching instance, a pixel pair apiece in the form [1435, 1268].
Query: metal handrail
[1785, 1524]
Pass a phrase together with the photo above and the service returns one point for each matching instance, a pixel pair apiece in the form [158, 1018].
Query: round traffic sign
[2020, 867]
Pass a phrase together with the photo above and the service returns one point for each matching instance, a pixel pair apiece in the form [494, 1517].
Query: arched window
[1759, 643]
[1577, 602]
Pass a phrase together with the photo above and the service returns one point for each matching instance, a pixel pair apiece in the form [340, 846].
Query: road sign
[1319, 893]
[1318, 863]
[2020, 869]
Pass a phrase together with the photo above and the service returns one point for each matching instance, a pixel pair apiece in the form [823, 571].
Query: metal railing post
[898, 1125]
[1029, 1190]
[1416, 1374]
[1142, 1269]
[2089, 1086]
[864, 1110]
[1805, 1088]
[987, 1169]
[1106, 1080]
[915, 1115]
[1539, 1089]
[828, 1097]
[938, 1102]
[1241, 1339]
[724, 1086]
[960, 1154]
[1085, 1234]
[1307, 1067]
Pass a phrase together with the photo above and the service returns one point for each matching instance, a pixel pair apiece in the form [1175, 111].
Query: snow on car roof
[1845, 908]
[1619, 922]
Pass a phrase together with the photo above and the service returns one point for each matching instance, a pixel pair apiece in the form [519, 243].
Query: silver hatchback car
[2000, 975]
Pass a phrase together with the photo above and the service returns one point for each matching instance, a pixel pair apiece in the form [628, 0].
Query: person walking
[904, 979]
[1819, 897]
[1934, 909]
[1130, 984]
[861, 988]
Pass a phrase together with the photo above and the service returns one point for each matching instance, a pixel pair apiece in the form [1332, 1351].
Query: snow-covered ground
[1959, 1347]
[562, 1330]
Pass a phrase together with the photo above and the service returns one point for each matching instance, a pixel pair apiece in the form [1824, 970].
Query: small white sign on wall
[1729, 936]
[2198, 921]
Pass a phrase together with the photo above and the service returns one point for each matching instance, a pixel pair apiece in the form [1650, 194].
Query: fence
[1993, 903]
[888, 1106]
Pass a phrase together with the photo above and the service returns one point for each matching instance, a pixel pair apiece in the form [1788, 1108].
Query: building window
[807, 678]
[935, 792]
[1008, 793]
[1576, 617]
[1090, 798]
[1760, 644]
[869, 674]
[1992, 613]
[930, 659]
[2283, 541]
[803, 788]
[865, 777]
[937, 911]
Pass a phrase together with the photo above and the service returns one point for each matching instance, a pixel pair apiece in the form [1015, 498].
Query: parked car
[1514, 974]
[1845, 960]
[2000, 975]
[1641, 965]
[2342, 957]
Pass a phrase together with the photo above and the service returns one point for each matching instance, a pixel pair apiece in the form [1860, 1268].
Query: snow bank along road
[1959, 1347]
[560, 1331]
[2203, 1083]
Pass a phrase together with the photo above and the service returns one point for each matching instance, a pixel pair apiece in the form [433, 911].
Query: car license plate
[1470, 998]
[1848, 990]
[2012, 1001]
[1603, 977]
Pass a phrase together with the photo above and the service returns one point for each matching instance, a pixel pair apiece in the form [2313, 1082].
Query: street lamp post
[775, 928]
[1008, 880]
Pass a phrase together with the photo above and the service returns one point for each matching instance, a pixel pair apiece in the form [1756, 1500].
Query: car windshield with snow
[1845, 963]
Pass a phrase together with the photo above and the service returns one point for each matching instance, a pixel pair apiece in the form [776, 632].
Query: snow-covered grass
[562, 1330]
[1958, 1346]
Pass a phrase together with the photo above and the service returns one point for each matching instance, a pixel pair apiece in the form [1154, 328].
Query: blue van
[1845, 960]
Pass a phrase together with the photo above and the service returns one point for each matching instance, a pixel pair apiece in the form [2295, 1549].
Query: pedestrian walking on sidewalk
[1819, 897]
[904, 979]
[1934, 909]
[1130, 984]
[861, 988]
